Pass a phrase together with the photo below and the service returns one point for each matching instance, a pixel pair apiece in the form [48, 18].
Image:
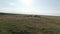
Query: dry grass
[25, 24]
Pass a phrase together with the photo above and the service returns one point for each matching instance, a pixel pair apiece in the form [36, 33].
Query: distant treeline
[33, 16]
[20, 14]
[7, 14]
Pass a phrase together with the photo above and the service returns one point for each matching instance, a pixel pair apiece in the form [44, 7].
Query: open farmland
[29, 24]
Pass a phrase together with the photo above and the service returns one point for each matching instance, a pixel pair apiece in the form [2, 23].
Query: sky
[38, 7]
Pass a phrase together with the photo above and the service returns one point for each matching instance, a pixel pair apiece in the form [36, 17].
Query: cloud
[29, 11]
[14, 6]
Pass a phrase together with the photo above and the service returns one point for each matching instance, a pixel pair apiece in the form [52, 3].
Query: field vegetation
[29, 24]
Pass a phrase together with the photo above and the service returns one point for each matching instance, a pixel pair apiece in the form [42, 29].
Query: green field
[27, 24]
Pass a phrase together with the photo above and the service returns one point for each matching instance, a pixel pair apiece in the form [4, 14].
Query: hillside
[29, 24]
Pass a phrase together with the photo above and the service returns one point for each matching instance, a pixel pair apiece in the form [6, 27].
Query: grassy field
[29, 24]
